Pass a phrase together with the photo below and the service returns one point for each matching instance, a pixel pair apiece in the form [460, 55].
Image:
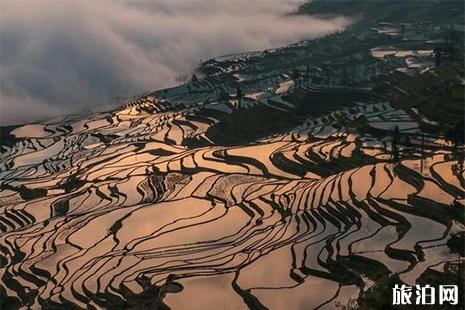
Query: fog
[62, 57]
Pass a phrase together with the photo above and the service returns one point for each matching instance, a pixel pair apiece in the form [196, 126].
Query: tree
[239, 94]
[296, 76]
[437, 56]
[194, 78]
[395, 145]
[307, 74]
[457, 136]
[422, 152]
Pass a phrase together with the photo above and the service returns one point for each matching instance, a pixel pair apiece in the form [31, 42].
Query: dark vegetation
[6, 138]
[438, 96]
[244, 126]
[394, 10]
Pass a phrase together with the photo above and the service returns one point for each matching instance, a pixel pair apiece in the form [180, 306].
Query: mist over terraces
[314, 175]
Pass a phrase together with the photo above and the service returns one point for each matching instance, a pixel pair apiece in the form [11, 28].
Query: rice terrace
[316, 175]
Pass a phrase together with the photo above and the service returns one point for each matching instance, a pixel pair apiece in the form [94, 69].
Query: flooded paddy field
[236, 190]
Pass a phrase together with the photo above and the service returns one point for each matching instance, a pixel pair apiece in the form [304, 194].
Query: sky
[61, 57]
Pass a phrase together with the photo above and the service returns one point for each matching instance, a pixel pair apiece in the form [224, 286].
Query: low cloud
[18, 110]
[61, 57]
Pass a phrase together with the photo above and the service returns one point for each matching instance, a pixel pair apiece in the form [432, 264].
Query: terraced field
[98, 210]
[266, 182]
